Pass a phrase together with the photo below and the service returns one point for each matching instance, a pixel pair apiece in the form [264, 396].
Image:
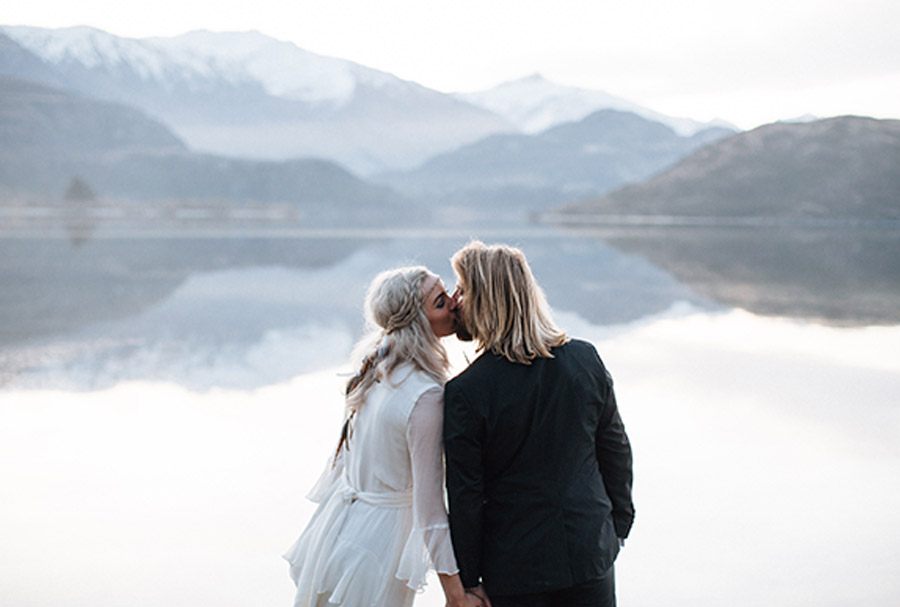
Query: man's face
[462, 331]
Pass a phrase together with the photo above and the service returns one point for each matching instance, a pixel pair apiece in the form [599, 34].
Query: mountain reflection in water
[846, 276]
[121, 298]
[199, 296]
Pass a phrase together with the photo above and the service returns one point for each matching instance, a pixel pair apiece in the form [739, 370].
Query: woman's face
[438, 307]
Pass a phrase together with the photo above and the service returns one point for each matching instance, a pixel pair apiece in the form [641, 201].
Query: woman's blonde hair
[398, 332]
[502, 305]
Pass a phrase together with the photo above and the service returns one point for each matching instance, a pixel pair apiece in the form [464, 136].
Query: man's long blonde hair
[502, 305]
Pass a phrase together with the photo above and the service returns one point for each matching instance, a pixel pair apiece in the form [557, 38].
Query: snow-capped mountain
[281, 68]
[534, 104]
[246, 94]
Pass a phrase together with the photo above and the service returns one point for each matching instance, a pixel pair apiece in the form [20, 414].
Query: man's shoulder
[578, 347]
[579, 344]
[477, 371]
[583, 354]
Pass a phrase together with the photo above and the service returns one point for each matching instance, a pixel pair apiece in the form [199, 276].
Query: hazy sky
[747, 62]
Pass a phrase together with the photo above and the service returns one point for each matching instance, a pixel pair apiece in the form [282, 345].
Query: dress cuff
[426, 548]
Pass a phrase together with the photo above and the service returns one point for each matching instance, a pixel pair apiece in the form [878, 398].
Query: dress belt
[384, 499]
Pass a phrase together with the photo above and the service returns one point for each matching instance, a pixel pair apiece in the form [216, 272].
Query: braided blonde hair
[399, 332]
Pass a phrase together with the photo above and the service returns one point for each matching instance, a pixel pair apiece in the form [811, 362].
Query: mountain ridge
[534, 104]
[49, 137]
[262, 99]
[833, 167]
[788, 219]
[568, 161]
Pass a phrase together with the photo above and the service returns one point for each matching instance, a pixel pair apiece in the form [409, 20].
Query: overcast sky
[746, 62]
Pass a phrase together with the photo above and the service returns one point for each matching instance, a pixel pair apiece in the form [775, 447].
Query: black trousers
[596, 593]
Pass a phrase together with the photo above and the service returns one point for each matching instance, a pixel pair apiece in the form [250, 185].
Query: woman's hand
[457, 596]
[479, 592]
[469, 600]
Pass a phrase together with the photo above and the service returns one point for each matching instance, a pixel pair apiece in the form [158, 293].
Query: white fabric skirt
[352, 553]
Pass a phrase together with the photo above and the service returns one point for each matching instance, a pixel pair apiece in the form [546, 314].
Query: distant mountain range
[570, 161]
[241, 119]
[845, 167]
[49, 137]
[790, 219]
[245, 94]
[535, 104]
[37, 120]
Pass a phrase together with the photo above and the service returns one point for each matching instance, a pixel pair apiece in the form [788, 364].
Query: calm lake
[167, 401]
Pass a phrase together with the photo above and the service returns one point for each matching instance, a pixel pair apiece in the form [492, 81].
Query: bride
[381, 521]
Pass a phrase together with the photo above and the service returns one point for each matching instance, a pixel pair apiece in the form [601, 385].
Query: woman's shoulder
[410, 378]
[404, 388]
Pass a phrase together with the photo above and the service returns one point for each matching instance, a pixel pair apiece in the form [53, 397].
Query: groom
[538, 462]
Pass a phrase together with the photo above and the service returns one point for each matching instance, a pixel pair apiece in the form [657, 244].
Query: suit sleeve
[463, 436]
[614, 457]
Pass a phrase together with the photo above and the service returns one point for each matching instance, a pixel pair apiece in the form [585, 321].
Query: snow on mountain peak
[86, 45]
[534, 104]
[280, 67]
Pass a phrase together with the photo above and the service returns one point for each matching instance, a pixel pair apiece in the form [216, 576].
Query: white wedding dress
[381, 521]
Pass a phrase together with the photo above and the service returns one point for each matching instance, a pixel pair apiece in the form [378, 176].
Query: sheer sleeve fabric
[324, 487]
[429, 542]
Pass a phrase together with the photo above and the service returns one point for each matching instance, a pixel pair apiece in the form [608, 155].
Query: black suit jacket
[538, 471]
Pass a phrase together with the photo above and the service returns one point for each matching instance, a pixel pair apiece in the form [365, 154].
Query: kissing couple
[528, 437]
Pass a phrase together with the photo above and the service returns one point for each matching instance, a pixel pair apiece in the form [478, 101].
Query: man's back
[538, 464]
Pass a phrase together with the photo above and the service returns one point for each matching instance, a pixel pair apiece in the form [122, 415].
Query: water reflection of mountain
[167, 308]
[840, 276]
[54, 286]
[50, 286]
[143, 308]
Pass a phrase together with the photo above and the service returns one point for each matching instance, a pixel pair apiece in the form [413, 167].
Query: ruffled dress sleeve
[324, 487]
[429, 544]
